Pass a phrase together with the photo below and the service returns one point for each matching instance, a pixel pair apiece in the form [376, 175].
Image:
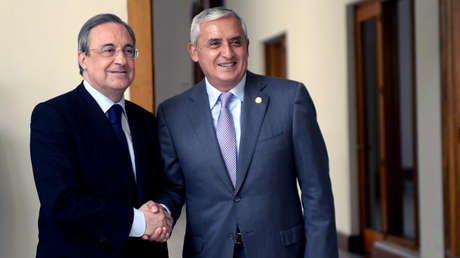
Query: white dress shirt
[138, 226]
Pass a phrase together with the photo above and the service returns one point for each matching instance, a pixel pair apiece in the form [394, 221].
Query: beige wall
[429, 128]
[38, 61]
[320, 54]
[173, 71]
[173, 66]
[316, 56]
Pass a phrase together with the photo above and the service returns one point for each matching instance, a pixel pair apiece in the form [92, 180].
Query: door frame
[386, 68]
[364, 12]
[450, 88]
[140, 19]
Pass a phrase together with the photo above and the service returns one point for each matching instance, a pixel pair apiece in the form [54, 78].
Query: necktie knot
[115, 113]
[115, 119]
[226, 97]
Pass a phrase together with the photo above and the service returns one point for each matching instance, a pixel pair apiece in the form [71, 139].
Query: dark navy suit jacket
[280, 144]
[84, 181]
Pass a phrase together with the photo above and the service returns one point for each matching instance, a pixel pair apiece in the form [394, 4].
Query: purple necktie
[225, 132]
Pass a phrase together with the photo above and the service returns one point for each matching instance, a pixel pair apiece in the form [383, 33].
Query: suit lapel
[202, 124]
[100, 129]
[98, 124]
[253, 112]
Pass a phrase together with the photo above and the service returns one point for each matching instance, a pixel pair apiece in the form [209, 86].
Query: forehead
[225, 27]
[110, 32]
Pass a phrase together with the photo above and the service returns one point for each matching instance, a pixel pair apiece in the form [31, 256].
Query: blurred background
[382, 74]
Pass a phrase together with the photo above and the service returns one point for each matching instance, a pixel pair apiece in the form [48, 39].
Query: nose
[227, 50]
[120, 57]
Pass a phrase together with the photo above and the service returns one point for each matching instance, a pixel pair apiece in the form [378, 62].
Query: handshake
[158, 222]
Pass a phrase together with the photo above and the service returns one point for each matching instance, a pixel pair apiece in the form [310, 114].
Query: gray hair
[212, 14]
[83, 36]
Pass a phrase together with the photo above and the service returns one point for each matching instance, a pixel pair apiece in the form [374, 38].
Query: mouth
[120, 74]
[228, 64]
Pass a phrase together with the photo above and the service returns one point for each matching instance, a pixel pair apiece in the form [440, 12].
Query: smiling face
[222, 52]
[109, 75]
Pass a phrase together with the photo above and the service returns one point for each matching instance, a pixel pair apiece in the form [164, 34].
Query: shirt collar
[103, 101]
[214, 93]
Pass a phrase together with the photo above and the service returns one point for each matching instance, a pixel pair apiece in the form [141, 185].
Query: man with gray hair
[95, 157]
[234, 147]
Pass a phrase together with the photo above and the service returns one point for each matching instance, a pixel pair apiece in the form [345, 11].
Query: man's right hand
[158, 222]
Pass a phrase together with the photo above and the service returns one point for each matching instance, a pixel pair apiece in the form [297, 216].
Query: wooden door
[386, 123]
[142, 90]
[371, 130]
[450, 80]
[275, 57]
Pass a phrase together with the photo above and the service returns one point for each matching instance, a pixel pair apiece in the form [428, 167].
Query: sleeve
[64, 200]
[173, 195]
[138, 227]
[312, 166]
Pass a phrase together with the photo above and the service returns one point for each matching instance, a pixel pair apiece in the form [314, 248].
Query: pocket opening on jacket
[292, 235]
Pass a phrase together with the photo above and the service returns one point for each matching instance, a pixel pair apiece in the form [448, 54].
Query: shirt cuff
[166, 208]
[138, 227]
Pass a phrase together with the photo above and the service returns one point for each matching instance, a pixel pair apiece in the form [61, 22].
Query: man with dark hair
[234, 147]
[95, 157]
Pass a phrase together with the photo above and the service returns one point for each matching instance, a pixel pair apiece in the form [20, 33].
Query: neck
[224, 89]
[114, 97]
[113, 94]
[220, 87]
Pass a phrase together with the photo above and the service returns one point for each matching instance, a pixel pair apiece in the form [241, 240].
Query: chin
[230, 78]
[121, 86]
[121, 83]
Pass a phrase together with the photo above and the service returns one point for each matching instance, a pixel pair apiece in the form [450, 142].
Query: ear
[192, 50]
[82, 59]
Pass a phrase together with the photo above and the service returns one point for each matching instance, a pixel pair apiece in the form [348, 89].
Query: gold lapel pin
[258, 100]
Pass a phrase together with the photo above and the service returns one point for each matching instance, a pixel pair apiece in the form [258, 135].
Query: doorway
[386, 123]
[275, 56]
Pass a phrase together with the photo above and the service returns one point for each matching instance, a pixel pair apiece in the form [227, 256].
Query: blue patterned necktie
[225, 132]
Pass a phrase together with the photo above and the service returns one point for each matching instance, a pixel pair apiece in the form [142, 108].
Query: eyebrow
[108, 45]
[113, 45]
[236, 38]
[230, 39]
[214, 39]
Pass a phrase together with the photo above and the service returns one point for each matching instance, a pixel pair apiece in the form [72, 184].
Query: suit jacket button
[236, 199]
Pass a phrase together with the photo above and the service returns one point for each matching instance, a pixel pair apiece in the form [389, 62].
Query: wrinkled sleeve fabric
[174, 195]
[312, 167]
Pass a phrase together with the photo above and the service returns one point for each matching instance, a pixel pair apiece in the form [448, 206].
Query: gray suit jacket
[280, 144]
